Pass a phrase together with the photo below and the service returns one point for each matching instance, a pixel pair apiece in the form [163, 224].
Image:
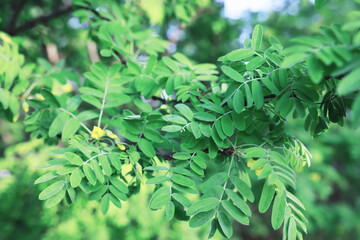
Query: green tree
[202, 134]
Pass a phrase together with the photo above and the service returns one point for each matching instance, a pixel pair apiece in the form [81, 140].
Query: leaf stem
[103, 101]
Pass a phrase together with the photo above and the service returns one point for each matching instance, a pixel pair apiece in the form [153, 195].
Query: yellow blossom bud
[25, 107]
[121, 147]
[97, 133]
[111, 135]
[163, 106]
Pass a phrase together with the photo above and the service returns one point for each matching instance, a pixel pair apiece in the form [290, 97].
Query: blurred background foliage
[330, 189]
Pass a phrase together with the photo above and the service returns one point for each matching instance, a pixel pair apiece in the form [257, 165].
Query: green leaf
[103, 159]
[225, 224]
[278, 211]
[55, 199]
[205, 116]
[50, 98]
[270, 85]
[119, 184]
[51, 190]
[238, 201]
[58, 124]
[182, 156]
[257, 37]
[249, 97]
[157, 180]
[175, 119]
[75, 178]
[292, 229]
[195, 128]
[74, 158]
[266, 198]
[182, 199]
[185, 110]
[104, 204]
[169, 211]
[315, 69]
[182, 180]
[355, 114]
[115, 160]
[240, 54]
[89, 173]
[171, 64]
[235, 212]
[46, 177]
[243, 188]
[293, 59]
[160, 197]
[257, 94]
[319, 4]
[98, 172]
[71, 127]
[205, 129]
[349, 83]
[255, 63]
[227, 125]
[201, 218]
[231, 73]
[203, 205]
[238, 101]
[146, 147]
[171, 128]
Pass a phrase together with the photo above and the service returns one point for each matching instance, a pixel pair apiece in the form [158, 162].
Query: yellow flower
[250, 163]
[25, 107]
[97, 133]
[40, 97]
[121, 146]
[163, 106]
[5, 38]
[315, 177]
[111, 135]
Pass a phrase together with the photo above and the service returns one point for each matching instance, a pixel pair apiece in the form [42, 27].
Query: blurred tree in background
[55, 31]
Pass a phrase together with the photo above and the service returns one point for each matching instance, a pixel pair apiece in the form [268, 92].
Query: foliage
[203, 138]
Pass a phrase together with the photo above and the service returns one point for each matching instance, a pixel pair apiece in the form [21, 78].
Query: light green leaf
[205, 116]
[171, 128]
[239, 202]
[146, 147]
[119, 184]
[55, 199]
[103, 159]
[46, 177]
[182, 180]
[104, 204]
[238, 101]
[115, 160]
[231, 73]
[71, 127]
[235, 212]
[169, 211]
[315, 69]
[157, 180]
[292, 229]
[278, 211]
[257, 94]
[58, 124]
[257, 37]
[74, 158]
[240, 54]
[175, 119]
[185, 110]
[243, 188]
[227, 125]
[75, 178]
[267, 195]
[98, 172]
[349, 83]
[182, 199]
[225, 224]
[89, 173]
[203, 205]
[51, 190]
[201, 218]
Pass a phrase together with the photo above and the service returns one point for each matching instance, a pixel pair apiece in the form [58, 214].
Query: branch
[44, 18]
[67, 8]
[15, 13]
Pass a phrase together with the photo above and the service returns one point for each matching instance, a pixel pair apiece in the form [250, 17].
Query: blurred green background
[330, 189]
